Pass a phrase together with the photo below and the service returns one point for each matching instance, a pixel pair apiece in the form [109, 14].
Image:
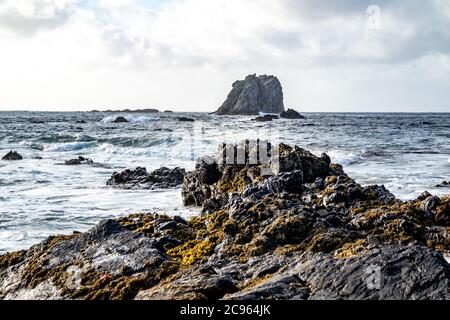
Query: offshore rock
[291, 114]
[12, 156]
[139, 178]
[254, 95]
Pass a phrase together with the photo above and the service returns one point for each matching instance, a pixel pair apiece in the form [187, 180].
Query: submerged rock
[266, 118]
[308, 231]
[185, 119]
[120, 120]
[444, 184]
[254, 95]
[79, 161]
[139, 178]
[291, 114]
[12, 156]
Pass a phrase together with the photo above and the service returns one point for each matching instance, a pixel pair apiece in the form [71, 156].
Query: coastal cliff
[307, 231]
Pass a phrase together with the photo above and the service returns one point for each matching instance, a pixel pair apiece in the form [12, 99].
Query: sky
[184, 55]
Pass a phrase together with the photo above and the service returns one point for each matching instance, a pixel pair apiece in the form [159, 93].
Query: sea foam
[70, 146]
[130, 118]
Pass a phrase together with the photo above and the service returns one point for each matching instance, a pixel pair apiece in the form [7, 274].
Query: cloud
[167, 48]
[27, 17]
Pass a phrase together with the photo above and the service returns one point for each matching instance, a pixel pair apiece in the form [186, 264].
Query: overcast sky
[184, 55]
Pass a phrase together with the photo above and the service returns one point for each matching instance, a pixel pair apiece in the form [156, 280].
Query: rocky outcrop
[307, 231]
[266, 118]
[12, 156]
[444, 184]
[139, 178]
[120, 120]
[254, 95]
[291, 114]
[79, 161]
[185, 119]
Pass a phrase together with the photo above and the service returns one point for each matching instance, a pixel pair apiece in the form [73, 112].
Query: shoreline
[257, 238]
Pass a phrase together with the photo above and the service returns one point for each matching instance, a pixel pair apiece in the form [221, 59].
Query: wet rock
[12, 156]
[185, 119]
[266, 118]
[444, 184]
[108, 262]
[283, 287]
[291, 114]
[139, 178]
[389, 272]
[120, 120]
[279, 236]
[254, 95]
[203, 284]
[79, 161]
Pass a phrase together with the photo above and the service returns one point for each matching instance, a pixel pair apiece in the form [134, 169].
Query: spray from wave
[71, 146]
[130, 118]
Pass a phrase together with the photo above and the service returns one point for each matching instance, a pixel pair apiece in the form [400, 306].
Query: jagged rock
[79, 161]
[254, 95]
[266, 118]
[444, 184]
[291, 114]
[281, 236]
[120, 120]
[108, 262]
[12, 156]
[185, 119]
[388, 272]
[139, 178]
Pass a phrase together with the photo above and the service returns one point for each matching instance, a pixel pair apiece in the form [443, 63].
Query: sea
[407, 152]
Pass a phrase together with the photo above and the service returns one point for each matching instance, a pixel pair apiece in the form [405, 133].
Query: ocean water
[408, 153]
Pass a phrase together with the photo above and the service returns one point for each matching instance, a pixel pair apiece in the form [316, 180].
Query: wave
[131, 119]
[346, 158]
[70, 146]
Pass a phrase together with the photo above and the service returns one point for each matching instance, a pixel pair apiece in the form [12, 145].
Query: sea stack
[253, 95]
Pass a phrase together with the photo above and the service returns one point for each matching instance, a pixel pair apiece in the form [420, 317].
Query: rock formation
[266, 118]
[291, 114]
[120, 120]
[139, 178]
[444, 184]
[12, 156]
[254, 95]
[309, 231]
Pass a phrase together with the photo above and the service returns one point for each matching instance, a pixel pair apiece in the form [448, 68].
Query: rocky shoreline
[309, 231]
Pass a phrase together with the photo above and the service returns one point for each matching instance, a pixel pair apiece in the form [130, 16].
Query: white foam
[130, 118]
[344, 158]
[70, 146]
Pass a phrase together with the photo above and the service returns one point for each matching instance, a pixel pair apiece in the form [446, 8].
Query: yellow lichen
[191, 252]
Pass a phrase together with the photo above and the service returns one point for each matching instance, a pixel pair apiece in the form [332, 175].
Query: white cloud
[64, 54]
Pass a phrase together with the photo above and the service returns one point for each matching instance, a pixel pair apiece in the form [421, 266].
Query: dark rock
[12, 156]
[266, 118]
[307, 232]
[254, 95]
[391, 272]
[444, 184]
[291, 114]
[115, 263]
[168, 111]
[185, 119]
[139, 178]
[80, 121]
[79, 161]
[120, 120]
